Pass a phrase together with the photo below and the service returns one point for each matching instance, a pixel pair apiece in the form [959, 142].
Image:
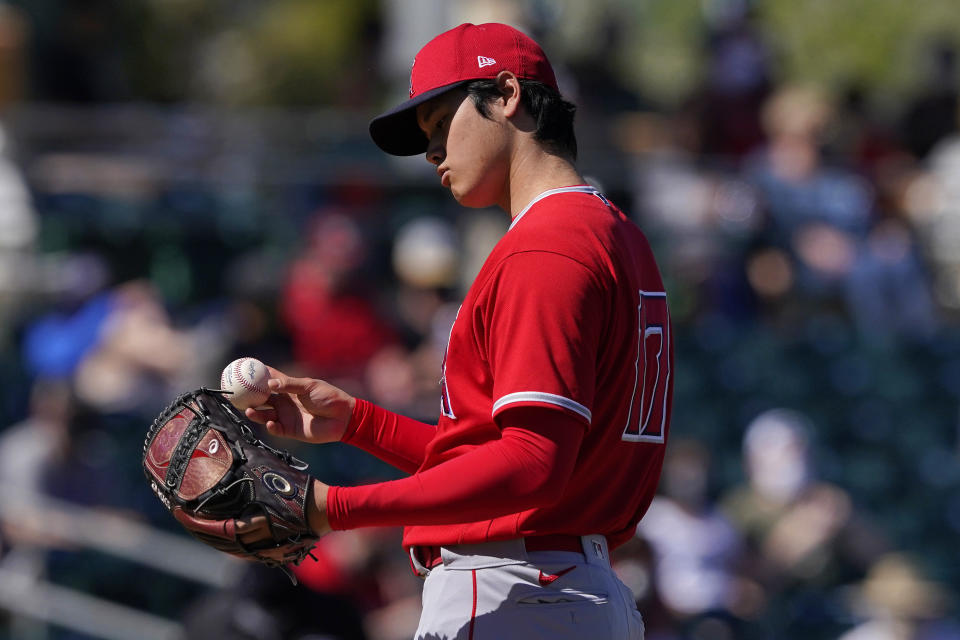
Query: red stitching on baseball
[243, 381]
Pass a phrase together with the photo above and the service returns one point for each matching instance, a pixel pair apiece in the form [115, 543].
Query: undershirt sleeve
[397, 440]
[528, 467]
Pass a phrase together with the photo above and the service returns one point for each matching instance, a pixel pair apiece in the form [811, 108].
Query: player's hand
[304, 409]
[257, 529]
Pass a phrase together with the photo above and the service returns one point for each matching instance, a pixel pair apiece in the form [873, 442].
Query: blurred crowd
[810, 245]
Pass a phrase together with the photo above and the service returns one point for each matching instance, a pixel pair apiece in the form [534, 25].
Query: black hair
[553, 115]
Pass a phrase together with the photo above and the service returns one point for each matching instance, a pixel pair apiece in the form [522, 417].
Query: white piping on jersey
[585, 188]
[540, 396]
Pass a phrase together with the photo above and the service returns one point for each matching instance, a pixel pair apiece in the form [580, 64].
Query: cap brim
[396, 131]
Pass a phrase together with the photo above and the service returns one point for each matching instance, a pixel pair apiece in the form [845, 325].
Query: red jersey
[569, 313]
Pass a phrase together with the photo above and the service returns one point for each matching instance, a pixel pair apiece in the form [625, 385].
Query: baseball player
[557, 381]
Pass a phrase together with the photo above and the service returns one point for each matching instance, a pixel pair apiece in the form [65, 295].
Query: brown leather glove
[226, 487]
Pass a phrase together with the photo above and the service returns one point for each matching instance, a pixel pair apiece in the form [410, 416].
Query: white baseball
[247, 379]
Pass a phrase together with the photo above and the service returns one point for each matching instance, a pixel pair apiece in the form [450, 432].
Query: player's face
[469, 150]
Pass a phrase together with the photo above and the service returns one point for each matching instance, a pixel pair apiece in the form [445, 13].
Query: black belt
[429, 557]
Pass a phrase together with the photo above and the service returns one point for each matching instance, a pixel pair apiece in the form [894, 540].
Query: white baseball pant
[500, 591]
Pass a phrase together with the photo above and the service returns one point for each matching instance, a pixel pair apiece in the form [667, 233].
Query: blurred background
[186, 181]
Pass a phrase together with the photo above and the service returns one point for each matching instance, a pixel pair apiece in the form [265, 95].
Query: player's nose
[435, 152]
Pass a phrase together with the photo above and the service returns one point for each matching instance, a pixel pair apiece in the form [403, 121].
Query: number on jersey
[647, 417]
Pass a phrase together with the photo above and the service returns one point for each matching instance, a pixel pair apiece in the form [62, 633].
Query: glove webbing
[181, 454]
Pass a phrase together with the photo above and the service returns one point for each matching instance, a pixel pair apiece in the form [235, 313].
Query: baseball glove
[225, 486]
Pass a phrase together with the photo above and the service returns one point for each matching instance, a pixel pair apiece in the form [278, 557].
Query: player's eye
[439, 124]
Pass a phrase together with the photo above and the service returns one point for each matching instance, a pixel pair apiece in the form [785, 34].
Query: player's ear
[509, 86]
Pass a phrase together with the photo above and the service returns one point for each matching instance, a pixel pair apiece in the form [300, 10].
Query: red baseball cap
[467, 52]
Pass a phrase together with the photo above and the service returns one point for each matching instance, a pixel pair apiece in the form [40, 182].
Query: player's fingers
[278, 379]
[275, 373]
[261, 415]
[275, 428]
[294, 386]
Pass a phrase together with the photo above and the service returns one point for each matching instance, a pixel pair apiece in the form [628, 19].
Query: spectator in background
[862, 139]
[888, 289]
[800, 189]
[697, 553]
[803, 532]
[426, 260]
[29, 447]
[120, 357]
[737, 82]
[840, 251]
[897, 602]
[56, 341]
[817, 213]
[707, 219]
[333, 322]
[140, 358]
[703, 217]
[933, 206]
[931, 115]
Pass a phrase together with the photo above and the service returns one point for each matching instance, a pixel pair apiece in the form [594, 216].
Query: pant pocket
[546, 597]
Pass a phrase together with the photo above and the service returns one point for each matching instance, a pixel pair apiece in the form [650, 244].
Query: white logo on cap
[412, 65]
[483, 61]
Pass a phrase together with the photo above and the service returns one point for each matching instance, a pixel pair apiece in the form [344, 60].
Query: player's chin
[473, 198]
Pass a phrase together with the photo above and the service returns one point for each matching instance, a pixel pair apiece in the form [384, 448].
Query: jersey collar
[582, 188]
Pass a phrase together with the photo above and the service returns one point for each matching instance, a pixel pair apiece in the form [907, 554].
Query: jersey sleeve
[397, 440]
[541, 332]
